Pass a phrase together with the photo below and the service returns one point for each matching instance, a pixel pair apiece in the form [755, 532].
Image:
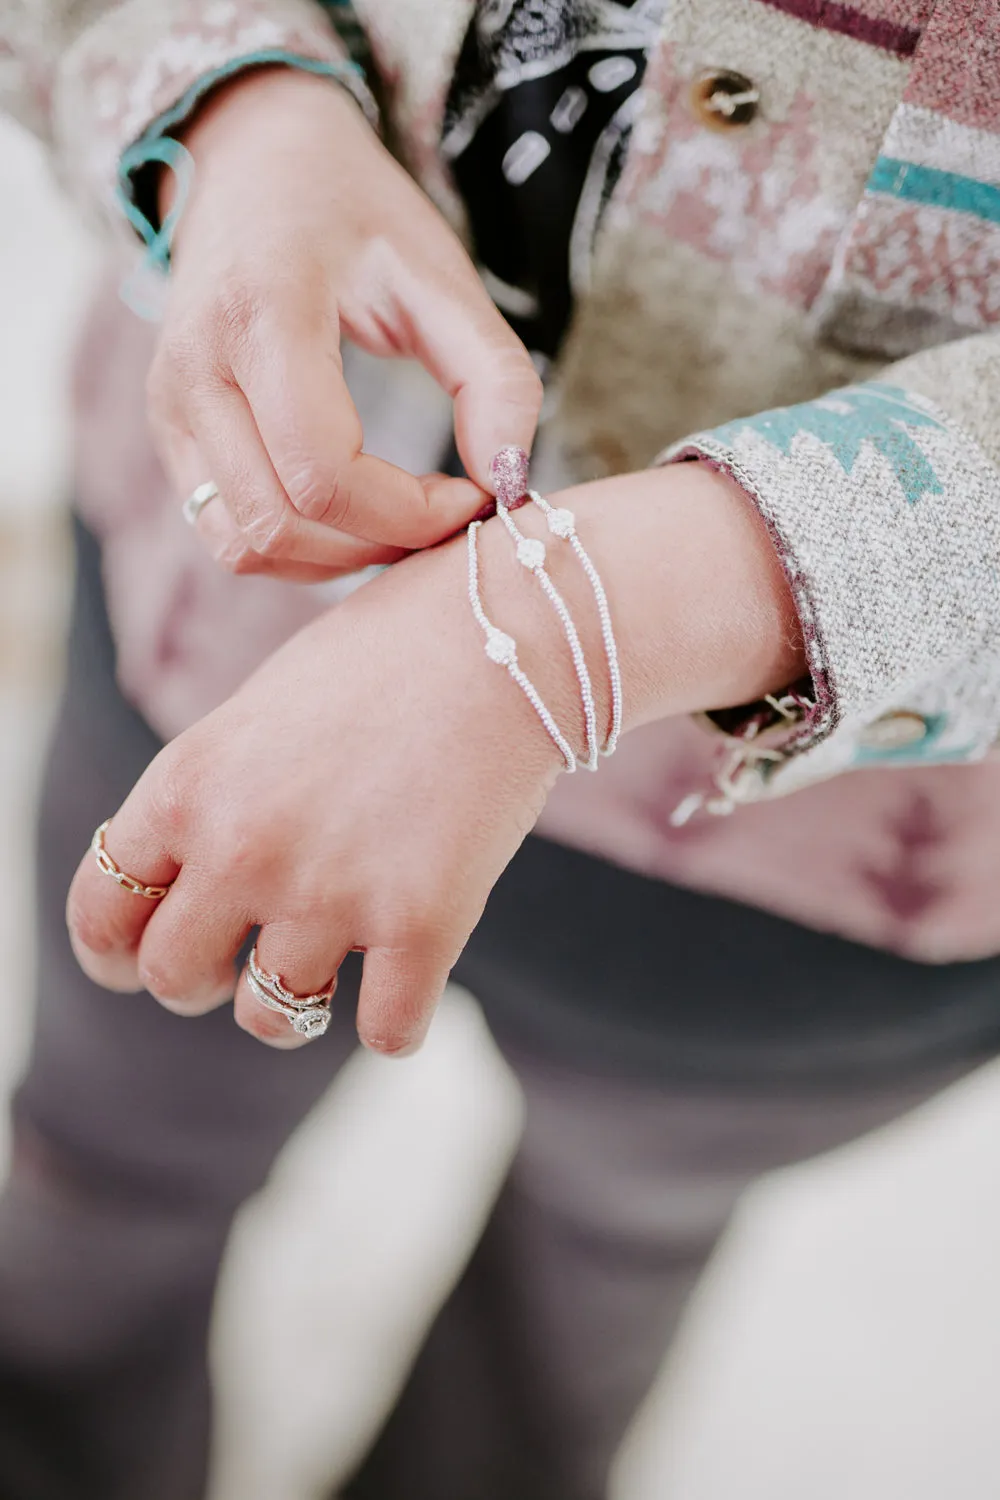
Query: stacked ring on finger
[127, 882]
[309, 1015]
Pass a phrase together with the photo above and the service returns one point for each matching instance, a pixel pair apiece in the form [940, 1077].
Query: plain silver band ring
[198, 499]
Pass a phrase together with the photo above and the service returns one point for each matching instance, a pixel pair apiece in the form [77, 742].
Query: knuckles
[170, 792]
[518, 382]
[318, 492]
[234, 314]
[271, 539]
[238, 853]
[89, 931]
[240, 559]
[207, 336]
[159, 982]
[423, 928]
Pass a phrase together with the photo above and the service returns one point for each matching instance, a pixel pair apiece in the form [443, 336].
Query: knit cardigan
[809, 301]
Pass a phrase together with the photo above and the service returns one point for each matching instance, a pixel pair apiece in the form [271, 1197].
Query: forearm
[237, 112]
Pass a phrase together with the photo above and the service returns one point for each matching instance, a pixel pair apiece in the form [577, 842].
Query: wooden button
[724, 100]
[894, 731]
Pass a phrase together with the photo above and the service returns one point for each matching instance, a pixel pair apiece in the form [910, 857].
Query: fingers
[267, 415]
[308, 423]
[305, 957]
[474, 354]
[400, 990]
[228, 545]
[252, 527]
[182, 947]
[106, 922]
[400, 987]
[187, 951]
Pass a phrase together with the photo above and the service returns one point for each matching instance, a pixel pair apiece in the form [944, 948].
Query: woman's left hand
[364, 790]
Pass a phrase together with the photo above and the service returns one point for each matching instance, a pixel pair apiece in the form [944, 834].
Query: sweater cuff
[157, 145]
[886, 518]
[136, 74]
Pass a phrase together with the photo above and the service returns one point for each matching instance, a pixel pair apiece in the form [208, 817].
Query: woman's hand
[300, 227]
[367, 786]
[364, 789]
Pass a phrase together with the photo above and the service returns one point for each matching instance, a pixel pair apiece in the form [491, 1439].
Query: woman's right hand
[300, 227]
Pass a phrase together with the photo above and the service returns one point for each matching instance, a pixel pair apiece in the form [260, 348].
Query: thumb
[472, 352]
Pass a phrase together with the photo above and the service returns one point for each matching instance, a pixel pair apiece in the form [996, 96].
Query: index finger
[307, 420]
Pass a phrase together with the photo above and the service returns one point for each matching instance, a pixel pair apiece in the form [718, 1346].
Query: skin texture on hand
[300, 228]
[368, 785]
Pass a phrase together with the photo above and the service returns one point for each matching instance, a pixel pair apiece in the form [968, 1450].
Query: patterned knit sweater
[794, 274]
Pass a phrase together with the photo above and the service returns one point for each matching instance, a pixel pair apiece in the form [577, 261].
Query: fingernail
[283, 1038]
[196, 1004]
[385, 1048]
[509, 473]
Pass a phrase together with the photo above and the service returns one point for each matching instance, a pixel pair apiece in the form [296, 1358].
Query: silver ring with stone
[198, 499]
[309, 1015]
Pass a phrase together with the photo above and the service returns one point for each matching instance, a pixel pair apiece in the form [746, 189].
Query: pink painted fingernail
[509, 473]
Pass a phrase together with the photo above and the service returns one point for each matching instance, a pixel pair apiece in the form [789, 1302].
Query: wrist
[559, 643]
[266, 101]
[427, 594]
[703, 614]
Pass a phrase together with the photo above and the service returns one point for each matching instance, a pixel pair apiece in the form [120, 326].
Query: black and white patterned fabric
[536, 129]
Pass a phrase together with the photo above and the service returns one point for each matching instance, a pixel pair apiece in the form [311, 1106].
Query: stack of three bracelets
[510, 473]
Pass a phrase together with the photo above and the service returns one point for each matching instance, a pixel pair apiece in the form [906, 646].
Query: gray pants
[138, 1135]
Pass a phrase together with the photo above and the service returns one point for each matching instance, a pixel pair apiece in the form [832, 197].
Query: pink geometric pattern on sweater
[753, 201]
[129, 85]
[957, 66]
[915, 13]
[911, 254]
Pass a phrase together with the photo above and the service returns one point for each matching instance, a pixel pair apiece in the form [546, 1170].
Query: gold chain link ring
[127, 882]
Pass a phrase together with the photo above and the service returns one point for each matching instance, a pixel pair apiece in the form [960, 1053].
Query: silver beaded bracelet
[509, 472]
[562, 524]
[502, 649]
[531, 555]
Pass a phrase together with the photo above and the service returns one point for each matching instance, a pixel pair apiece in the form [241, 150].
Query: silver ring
[309, 1015]
[197, 500]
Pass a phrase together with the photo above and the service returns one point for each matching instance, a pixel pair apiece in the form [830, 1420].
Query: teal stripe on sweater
[903, 179]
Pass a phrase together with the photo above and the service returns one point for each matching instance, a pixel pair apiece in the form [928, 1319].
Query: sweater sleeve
[104, 92]
[883, 501]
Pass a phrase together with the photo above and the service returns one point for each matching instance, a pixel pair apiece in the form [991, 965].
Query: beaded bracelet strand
[502, 649]
[562, 524]
[531, 555]
[509, 472]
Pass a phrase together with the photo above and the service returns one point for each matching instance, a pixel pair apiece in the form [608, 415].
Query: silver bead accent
[501, 648]
[529, 547]
[497, 641]
[562, 523]
[531, 553]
